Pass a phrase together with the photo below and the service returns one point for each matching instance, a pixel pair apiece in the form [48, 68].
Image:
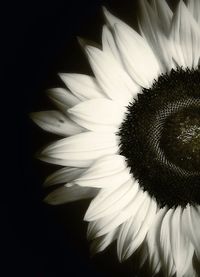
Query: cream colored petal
[106, 181]
[181, 248]
[111, 19]
[80, 150]
[194, 8]
[126, 212]
[106, 224]
[65, 194]
[164, 13]
[96, 228]
[185, 38]
[112, 78]
[165, 244]
[133, 232]
[98, 115]
[192, 272]
[153, 242]
[110, 200]
[175, 244]
[108, 171]
[191, 226]
[63, 175]
[109, 45]
[57, 123]
[101, 243]
[62, 98]
[82, 86]
[150, 27]
[138, 58]
[143, 255]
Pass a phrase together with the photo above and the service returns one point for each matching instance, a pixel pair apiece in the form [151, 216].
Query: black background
[39, 40]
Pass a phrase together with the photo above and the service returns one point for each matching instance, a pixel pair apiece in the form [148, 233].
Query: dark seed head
[181, 139]
[160, 138]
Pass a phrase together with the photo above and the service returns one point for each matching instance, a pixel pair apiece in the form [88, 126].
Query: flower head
[132, 138]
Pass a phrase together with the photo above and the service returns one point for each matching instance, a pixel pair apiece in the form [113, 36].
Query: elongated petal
[82, 86]
[94, 227]
[101, 243]
[110, 200]
[194, 8]
[153, 242]
[111, 19]
[143, 254]
[109, 45]
[192, 226]
[138, 57]
[133, 231]
[164, 13]
[108, 171]
[80, 150]
[151, 29]
[98, 114]
[56, 122]
[62, 98]
[63, 175]
[110, 75]
[165, 244]
[108, 223]
[193, 269]
[181, 247]
[65, 194]
[127, 231]
[185, 37]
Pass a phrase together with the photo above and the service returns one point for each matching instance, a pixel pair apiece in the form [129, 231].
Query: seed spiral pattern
[160, 138]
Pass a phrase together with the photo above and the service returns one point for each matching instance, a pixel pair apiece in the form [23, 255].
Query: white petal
[150, 27]
[138, 57]
[175, 244]
[165, 244]
[153, 242]
[108, 223]
[109, 45]
[56, 122]
[181, 248]
[143, 254]
[164, 13]
[110, 200]
[194, 8]
[94, 227]
[101, 243]
[64, 175]
[133, 231]
[107, 171]
[192, 270]
[110, 75]
[111, 19]
[98, 114]
[192, 226]
[80, 150]
[65, 194]
[82, 86]
[62, 98]
[185, 37]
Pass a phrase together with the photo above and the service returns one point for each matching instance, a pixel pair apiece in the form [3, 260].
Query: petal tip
[50, 200]
[82, 42]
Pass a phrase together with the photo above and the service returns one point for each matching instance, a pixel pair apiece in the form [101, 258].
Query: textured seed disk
[160, 138]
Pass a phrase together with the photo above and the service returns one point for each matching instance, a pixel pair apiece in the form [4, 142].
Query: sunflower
[132, 138]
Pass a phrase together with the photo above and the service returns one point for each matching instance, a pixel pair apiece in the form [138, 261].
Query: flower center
[181, 139]
[160, 138]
